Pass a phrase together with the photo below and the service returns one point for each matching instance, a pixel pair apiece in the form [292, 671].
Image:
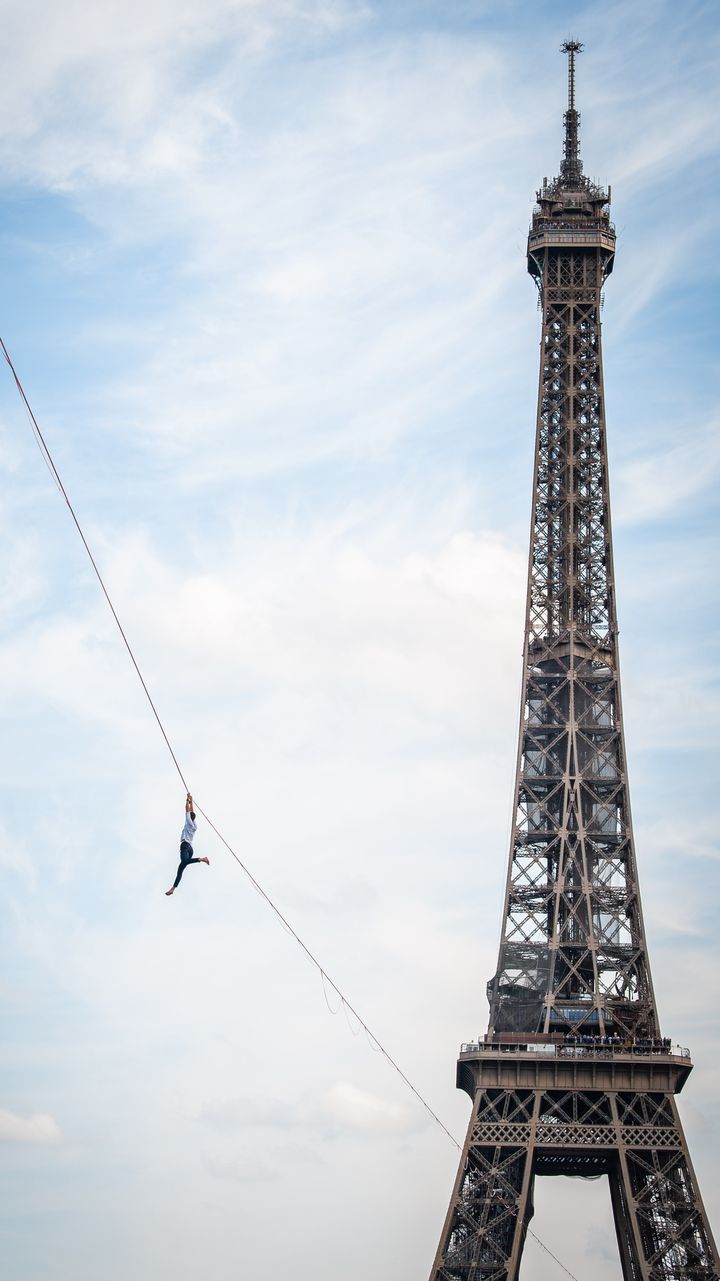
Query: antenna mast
[571, 173]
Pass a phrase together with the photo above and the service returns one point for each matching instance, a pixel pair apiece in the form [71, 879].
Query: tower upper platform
[572, 212]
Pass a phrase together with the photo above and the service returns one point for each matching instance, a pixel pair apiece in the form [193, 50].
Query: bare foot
[169, 892]
[206, 860]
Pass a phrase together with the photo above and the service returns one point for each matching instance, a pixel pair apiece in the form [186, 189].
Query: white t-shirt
[189, 830]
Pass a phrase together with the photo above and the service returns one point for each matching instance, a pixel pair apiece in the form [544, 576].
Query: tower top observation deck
[571, 210]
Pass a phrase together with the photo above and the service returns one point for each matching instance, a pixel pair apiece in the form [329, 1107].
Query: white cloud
[357, 1109]
[38, 1128]
[282, 615]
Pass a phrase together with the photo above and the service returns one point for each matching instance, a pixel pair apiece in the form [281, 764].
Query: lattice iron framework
[573, 1077]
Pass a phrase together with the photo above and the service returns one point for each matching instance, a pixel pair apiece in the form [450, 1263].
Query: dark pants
[186, 857]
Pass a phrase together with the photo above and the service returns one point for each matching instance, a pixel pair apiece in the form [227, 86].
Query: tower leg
[492, 1200]
[628, 1261]
[663, 1231]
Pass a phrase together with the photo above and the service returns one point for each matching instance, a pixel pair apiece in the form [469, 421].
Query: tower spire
[571, 174]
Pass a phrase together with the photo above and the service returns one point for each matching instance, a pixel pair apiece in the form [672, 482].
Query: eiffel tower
[573, 1076]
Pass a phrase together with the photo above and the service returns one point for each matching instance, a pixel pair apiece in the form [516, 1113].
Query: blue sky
[264, 281]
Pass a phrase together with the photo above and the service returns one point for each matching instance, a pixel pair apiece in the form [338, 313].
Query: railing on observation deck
[576, 1047]
[593, 236]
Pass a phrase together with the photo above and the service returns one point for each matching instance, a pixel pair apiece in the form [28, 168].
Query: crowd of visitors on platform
[645, 1044]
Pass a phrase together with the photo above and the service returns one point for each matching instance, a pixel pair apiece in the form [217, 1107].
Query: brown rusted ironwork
[573, 1076]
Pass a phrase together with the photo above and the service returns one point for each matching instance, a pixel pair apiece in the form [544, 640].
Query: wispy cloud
[668, 472]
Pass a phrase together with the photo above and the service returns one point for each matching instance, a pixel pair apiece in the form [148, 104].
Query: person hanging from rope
[186, 844]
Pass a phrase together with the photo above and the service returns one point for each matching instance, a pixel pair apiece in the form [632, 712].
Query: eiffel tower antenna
[573, 1076]
[571, 169]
